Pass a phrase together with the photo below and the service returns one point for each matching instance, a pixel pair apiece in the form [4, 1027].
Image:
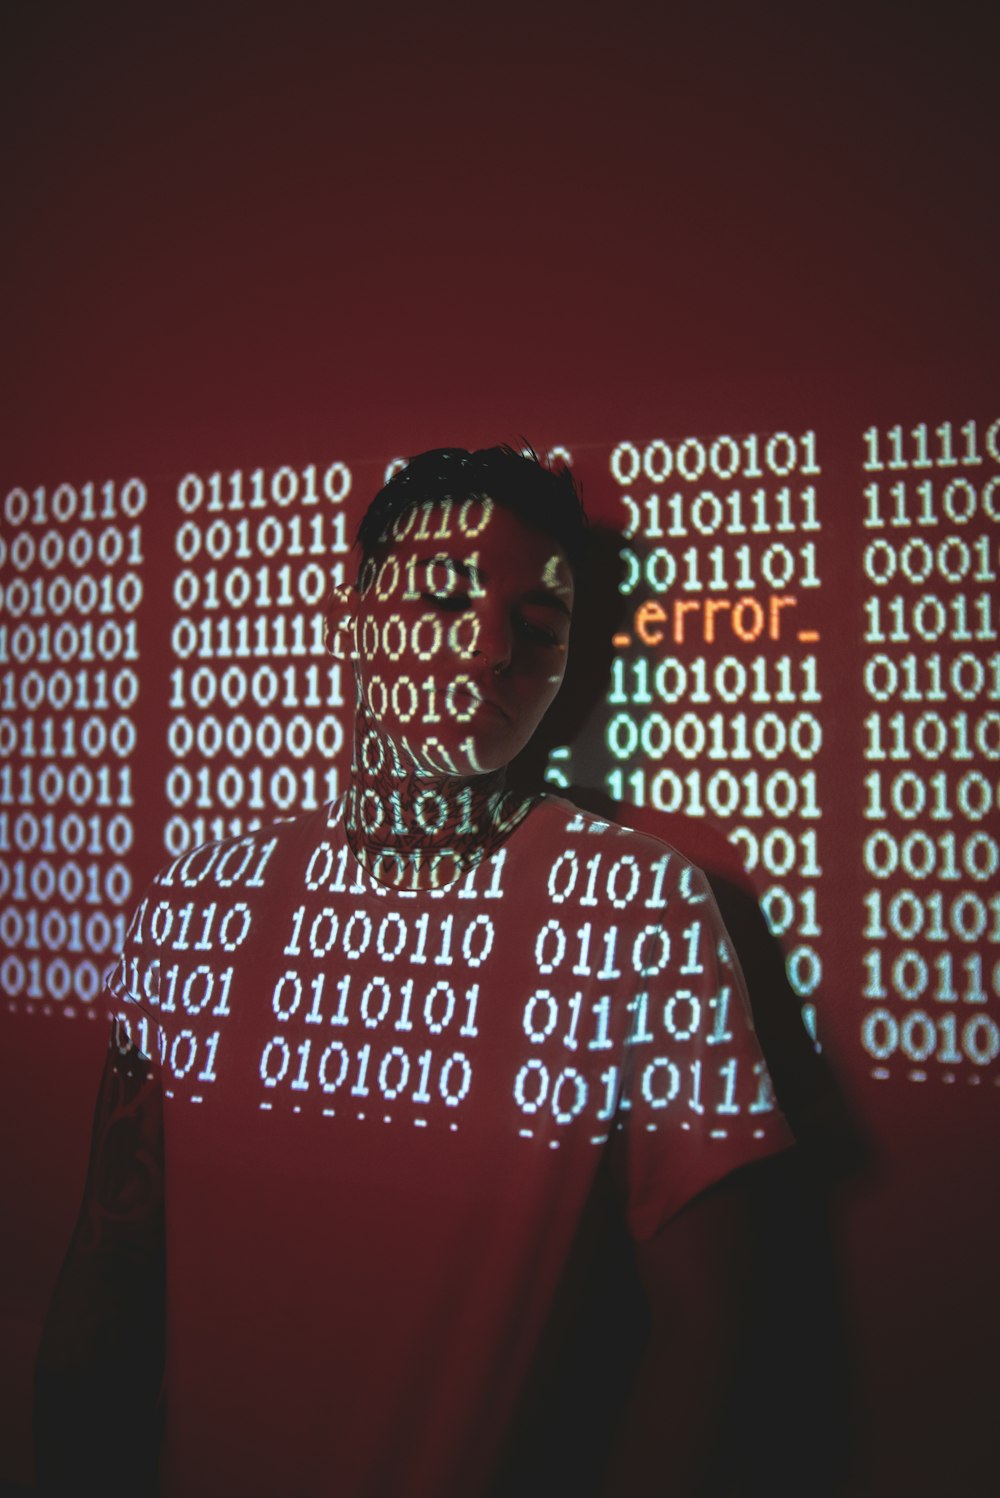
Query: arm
[100, 1362]
[693, 1177]
[695, 1275]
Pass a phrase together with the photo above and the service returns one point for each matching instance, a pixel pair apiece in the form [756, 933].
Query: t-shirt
[386, 1115]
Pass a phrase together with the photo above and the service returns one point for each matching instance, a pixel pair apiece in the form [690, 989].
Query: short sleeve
[698, 1100]
[132, 994]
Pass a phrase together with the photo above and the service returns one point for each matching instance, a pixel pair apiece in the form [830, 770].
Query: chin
[458, 748]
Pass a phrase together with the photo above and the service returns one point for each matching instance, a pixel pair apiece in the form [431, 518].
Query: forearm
[98, 1377]
[101, 1356]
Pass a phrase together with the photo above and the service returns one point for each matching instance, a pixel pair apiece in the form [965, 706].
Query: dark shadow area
[792, 1424]
[581, 1379]
[597, 613]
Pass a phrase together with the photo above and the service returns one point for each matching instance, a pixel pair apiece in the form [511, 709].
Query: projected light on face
[461, 633]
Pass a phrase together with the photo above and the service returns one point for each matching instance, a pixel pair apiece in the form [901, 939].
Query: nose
[493, 639]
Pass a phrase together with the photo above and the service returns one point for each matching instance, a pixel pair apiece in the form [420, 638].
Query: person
[390, 1084]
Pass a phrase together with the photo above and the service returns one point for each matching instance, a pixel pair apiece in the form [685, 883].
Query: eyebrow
[543, 597]
[546, 599]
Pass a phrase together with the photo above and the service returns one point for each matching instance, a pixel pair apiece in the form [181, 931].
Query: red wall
[235, 240]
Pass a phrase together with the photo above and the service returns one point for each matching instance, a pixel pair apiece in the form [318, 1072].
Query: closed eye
[460, 603]
[538, 632]
[452, 603]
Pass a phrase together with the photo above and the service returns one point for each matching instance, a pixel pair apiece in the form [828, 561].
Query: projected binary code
[380, 1014]
[715, 703]
[71, 560]
[258, 718]
[383, 1004]
[725, 678]
[931, 744]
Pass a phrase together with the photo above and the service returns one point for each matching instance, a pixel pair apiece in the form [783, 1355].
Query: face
[461, 630]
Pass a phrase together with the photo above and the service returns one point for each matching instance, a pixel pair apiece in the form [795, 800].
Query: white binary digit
[930, 740]
[71, 583]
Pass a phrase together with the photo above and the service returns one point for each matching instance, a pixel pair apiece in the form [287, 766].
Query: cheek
[410, 669]
[533, 699]
[411, 679]
[417, 643]
[549, 679]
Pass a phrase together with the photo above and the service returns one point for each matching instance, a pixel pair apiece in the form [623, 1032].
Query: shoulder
[246, 859]
[213, 891]
[556, 817]
[559, 827]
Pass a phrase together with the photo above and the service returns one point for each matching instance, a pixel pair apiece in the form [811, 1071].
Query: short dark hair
[548, 499]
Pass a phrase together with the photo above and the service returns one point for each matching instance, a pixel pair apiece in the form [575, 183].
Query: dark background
[234, 229]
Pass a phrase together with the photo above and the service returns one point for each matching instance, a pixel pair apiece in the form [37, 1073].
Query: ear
[341, 621]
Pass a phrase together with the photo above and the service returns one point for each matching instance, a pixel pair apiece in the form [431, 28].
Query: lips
[479, 696]
[495, 706]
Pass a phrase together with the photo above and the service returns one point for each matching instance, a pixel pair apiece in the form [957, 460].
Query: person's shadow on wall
[793, 1422]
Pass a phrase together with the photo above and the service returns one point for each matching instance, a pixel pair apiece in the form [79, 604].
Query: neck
[416, 826]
